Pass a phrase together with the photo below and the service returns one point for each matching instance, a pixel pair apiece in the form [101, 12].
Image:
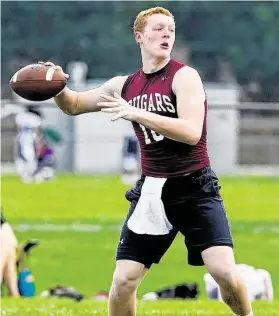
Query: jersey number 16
[150, 136]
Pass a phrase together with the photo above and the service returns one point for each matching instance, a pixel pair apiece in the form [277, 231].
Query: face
[158, 37]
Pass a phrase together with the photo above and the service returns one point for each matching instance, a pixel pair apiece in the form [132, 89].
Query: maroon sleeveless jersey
[161, 156]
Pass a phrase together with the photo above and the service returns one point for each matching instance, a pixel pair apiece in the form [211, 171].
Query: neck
[150, 65]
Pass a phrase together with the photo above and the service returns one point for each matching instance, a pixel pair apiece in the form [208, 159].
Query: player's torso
[160, 156]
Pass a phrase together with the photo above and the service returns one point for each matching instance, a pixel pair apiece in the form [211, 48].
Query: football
[38, 82]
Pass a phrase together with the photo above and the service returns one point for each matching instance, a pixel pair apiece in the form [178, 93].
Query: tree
[245, 34]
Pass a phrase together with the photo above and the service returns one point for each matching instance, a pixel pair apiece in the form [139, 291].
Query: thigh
[209, 224]
[200, 216]
[142, 248]
[8, 243]
[218, 258]
[8, 239]
[220, 263]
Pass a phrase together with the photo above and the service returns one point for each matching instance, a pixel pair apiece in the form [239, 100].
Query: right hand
[56, 67]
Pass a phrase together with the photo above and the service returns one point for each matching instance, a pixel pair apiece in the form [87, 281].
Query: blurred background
[233, 45]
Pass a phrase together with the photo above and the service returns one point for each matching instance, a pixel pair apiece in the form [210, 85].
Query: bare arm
[74, 103]
[190, 95]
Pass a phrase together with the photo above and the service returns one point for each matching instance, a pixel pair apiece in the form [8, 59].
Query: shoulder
[131, 79]
[134, 75]
[186, 72]
[186, 76]
[115, 84]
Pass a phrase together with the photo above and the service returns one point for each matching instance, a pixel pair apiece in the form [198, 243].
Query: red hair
[141, 19]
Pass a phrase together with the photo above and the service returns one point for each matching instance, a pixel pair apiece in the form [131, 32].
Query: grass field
[58, 307]
[77, 219]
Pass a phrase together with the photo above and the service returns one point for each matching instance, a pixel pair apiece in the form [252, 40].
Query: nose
[166, 33]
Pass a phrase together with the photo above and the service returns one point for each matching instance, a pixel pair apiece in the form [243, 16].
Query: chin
[163, 54]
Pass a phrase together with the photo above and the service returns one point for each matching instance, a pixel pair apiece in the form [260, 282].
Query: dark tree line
[243, 35]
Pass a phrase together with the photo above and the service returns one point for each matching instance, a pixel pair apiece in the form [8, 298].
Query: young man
[178, 191]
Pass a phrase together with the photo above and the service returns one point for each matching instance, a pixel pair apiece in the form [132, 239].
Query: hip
[199, 184]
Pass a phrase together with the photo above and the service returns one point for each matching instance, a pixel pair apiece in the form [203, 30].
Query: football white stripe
[49, 74]
[15, 77]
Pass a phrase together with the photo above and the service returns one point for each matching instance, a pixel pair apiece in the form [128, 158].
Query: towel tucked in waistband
[149, 216]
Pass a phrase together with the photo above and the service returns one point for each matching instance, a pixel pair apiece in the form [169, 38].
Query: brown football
[38, 82]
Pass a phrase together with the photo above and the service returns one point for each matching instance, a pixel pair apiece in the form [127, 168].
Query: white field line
[265, 228]
[65, 227]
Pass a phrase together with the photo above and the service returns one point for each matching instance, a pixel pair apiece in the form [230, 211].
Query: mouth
[165, 45]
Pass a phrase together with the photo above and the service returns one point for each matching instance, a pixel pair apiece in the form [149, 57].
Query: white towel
[149, 216]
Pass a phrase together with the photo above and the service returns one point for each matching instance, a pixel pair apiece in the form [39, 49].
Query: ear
[138, 38]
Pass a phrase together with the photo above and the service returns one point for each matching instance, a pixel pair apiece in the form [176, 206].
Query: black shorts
[193, 206]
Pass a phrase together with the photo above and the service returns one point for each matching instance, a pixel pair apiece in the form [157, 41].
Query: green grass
[86, 261]
[58, 307]
[102, 198]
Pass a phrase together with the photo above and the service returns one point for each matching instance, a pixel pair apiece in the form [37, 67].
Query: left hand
[118, 106]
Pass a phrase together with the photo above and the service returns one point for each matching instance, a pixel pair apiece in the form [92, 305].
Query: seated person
[257, 281]
[14, 272]
[8, 268]
[34, 159]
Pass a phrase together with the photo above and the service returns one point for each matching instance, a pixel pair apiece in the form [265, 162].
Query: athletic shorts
[193, 206]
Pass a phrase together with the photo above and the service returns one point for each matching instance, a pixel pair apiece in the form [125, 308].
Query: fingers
[47, 63]
[119, 112]
[108, 104]
[56, 67]
[114, 105]
[118, 116]
[113, 109]
[108, 97]
[117, 95]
